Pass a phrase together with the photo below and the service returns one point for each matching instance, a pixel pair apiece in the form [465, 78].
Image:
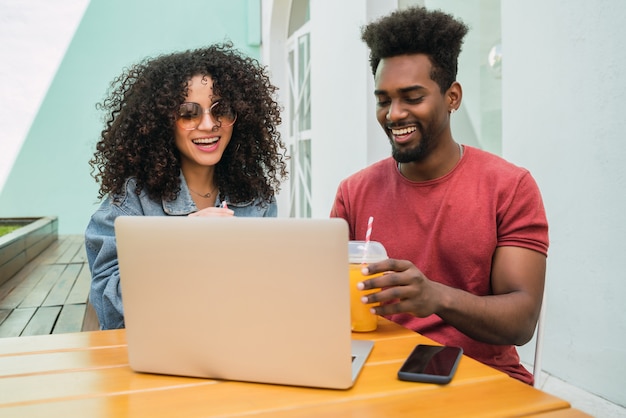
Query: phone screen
[432, 364]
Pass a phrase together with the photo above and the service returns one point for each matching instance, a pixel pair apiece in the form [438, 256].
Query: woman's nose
[206, 122]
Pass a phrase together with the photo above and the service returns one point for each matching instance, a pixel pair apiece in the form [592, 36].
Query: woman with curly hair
[192, 133]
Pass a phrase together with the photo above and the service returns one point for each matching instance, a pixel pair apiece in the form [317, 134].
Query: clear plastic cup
[360, 254]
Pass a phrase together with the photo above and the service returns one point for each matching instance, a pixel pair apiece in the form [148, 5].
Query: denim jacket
[105, 294]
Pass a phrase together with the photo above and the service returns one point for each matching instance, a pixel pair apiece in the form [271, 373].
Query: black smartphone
[431, 364]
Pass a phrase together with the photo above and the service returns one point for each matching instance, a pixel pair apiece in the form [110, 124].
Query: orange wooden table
[87, 374]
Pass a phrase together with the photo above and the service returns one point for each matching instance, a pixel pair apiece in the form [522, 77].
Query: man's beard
[415, 154]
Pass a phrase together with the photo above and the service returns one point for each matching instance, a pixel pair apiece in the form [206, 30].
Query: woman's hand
[214, 212]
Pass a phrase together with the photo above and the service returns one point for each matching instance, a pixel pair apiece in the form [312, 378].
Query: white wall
[563, 92]
[342, 101]
[35, 35]
[274, 23]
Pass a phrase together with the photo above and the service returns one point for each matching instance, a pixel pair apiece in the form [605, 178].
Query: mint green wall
[51, 175]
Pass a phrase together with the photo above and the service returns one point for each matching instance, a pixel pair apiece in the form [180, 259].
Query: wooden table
[87, 374]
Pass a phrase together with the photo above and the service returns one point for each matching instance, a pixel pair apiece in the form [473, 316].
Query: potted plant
[22, 239]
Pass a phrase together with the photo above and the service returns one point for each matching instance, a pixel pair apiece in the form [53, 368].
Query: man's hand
[404, 289]
[508, 316]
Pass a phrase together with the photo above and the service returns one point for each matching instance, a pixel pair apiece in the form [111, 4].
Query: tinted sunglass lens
[222, 114]
[189, 115]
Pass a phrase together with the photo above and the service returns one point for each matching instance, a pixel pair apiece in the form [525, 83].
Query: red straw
[368, 234]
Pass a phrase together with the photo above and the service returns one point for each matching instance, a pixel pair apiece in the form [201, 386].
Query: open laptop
[250, 299]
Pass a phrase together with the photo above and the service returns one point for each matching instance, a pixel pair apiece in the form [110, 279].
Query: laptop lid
[250, 299]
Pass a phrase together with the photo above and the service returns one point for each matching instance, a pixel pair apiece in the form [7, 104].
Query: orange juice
[362, 319]
[360, 253]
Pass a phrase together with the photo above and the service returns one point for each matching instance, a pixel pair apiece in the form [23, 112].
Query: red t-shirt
[449, 228]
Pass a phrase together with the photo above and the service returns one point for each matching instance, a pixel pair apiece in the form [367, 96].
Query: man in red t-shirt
[465, 230]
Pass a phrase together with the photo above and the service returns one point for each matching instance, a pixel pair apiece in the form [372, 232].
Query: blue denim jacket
[105, 295]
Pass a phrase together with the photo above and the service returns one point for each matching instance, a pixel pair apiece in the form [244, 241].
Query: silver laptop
[250, 299]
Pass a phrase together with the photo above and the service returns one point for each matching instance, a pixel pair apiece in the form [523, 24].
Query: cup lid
[363, 252]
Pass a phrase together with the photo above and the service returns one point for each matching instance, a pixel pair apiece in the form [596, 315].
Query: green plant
[5, 229]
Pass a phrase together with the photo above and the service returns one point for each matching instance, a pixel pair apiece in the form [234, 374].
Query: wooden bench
[49, 295]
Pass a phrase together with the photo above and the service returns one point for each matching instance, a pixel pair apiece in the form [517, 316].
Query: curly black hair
[141, 104]
[416, 30]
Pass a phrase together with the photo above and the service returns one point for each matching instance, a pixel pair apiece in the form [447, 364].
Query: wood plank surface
[60, 291]
[98, 340]
[82, 285]
[56, 252]
[159, 396]
[42, 321]
[562, 413]
[16, 321]
[49, 294]
[62, 361]
[73, 249]
[375, 392]
[38, 294]
[70, 319]
[16, 291]
[4, 313]
[87, 374]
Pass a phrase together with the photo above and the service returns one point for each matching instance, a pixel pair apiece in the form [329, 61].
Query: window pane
[292, 101]
[304, 82]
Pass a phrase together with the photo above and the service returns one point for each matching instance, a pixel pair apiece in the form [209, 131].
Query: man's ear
[454, 94]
